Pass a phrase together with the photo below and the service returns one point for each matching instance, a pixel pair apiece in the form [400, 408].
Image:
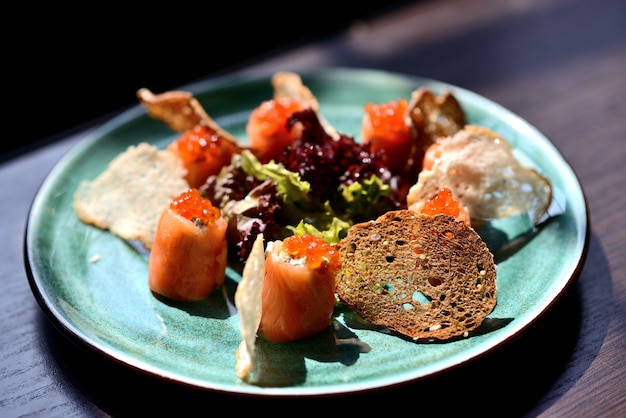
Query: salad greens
[319, 185]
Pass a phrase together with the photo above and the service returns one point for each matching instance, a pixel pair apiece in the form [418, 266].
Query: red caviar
[318, 253]
[203, 153]
[388, 118]
[192, 206]
[445, 202]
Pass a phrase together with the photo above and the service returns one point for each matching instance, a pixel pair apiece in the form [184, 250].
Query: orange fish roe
[272, 115]
[318, 253]
[445, 202]
[192, 206]
[203, 152]
[195, 143]
[387, 119]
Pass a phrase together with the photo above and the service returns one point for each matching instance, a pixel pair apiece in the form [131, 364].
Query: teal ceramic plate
[107, 305]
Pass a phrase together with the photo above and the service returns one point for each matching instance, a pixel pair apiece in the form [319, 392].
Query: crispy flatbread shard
[129, 196]
[429, 117]
[290, 85]
[480, 168]
[181, 111]
[425, 277]
[178, 109]
[433, 116]
[248, 300]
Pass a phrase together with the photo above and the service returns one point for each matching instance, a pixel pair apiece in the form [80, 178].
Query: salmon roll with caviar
[189, 254]
[298, 294]
[383, 125]
[203, 152]
[268, 128]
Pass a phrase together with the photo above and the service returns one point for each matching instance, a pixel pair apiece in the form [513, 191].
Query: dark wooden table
[561, 65]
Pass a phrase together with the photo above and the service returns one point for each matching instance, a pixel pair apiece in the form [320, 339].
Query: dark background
[67, 67]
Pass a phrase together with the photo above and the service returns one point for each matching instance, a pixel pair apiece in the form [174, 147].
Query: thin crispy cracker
[480, 168]
[130, 195]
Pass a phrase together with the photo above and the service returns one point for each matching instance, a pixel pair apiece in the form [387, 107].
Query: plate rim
[202, 86]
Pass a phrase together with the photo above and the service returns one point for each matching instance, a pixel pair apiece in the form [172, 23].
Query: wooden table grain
[561, 65]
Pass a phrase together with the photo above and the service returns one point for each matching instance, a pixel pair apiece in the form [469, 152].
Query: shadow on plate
[283, 365]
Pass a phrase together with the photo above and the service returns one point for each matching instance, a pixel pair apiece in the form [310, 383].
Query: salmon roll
[383, 125]
[189, 253]
[268, 128]
[203, 152]
[298, 295]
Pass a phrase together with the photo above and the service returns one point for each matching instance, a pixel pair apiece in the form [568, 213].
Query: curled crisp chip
[181, 111]
[430, 117]
[129, 196]
[249, 303]
[178, 109]
[433, 116]
[289, 84]
[480, 168]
